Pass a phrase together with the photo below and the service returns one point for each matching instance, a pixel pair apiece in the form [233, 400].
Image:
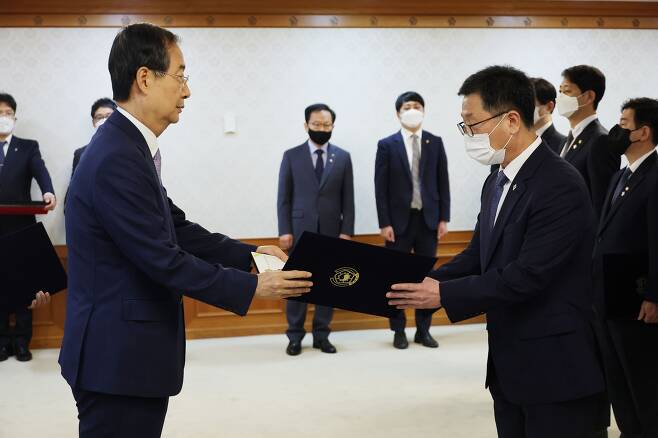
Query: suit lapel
[584, 136]
[485, 227]
[514, 194]
[402, 152]
[424, 152]
[627, 191]
[329, 164]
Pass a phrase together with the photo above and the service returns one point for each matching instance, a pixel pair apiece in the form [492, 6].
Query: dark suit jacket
[394, 186]
[303, 204]
[76, 158]
[22, 163]
[630, 228]
[132, 256]
[531, 276]
[554, 139]
[592, 157]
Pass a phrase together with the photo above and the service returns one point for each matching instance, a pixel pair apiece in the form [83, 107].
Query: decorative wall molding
[630, 21]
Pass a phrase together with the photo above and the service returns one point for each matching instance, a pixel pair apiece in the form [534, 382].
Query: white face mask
[412, 118]
[479, 148]
[536, 117]
[567, 105]
[7, 125]
[100, 122]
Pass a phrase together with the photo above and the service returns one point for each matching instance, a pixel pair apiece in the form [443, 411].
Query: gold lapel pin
[427, 141]
[514, 187]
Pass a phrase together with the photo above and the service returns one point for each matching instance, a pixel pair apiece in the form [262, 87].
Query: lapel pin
[15, 149]
[331, 160]
[514, 187]
[427, 141]
[580, 141]
[623, 193]
[627, 188]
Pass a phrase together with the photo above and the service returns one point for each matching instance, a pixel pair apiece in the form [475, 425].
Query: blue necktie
[501, 180]
[2, 154]
[319, 165]
[620, 184]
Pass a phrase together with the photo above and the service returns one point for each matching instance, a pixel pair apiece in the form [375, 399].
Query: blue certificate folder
[28, 264]
[354, 276]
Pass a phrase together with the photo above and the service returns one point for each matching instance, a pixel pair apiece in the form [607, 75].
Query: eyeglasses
[182, 79]
[465, 129]
[317, 125]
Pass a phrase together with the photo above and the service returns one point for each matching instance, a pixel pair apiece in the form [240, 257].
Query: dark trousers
[114, 416]
[422, 240]
[581, 418]
[630, 359]
[296, 314]
[21, 334]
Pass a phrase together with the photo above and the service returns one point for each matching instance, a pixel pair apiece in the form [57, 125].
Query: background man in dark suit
[581, 90]
[20, 163]
[316, 193]
[628, 236]
[527, 267]
[545, 95]
[133, 254]
[412, 191]
[101, 110]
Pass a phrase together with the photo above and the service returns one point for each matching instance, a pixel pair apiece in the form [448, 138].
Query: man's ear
[143, 80]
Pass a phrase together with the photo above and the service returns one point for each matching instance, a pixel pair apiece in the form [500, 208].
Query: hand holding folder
[272, 281]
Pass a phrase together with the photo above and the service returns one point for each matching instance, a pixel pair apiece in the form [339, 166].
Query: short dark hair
[408, 96]
[587, 78]
[9, 100]
[103, 102]
[135, 46]
[318, 107]
[503, 88]
[646, 114]
[544, 90]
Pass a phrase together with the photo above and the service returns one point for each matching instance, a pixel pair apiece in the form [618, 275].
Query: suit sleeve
[125, 199]
[284, 196]
[210, 247]
[554, 230]
[347, 197]
[39, 171]
[602, 164]
[381, 184]
[652, 222]
[443, 184]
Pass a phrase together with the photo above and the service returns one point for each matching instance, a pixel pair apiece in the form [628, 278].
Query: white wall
[268, 76]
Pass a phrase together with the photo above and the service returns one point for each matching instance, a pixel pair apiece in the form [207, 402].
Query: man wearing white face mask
[413, 198]
[20, 162]
[581, 90]
[527, 268]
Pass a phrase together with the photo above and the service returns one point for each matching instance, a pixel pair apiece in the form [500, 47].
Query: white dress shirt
[543, 129]
[5, 148]
[636, 165]
[513, 168]
[149, 136]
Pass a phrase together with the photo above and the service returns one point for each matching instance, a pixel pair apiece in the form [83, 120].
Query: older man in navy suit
[527, 267]
[412, 191]
[133, 254]
[20, 163]
[316, 193]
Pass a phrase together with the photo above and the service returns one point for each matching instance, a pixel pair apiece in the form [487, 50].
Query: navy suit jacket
[595, 161]
[132, 255]
[553, 139]
[629, 227]
[303, 204]
[22, 163]
[394, 186]
[531, 276]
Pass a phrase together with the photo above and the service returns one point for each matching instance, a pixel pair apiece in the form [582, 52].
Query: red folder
[26, 208]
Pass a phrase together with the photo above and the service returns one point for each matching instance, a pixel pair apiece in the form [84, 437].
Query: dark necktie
[567, 146]
[157, 161]
[501, 180]
[319, 164]
[2, 154]
[620, 184]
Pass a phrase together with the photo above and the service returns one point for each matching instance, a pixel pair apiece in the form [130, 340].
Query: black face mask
[619, 139]
[319, 137]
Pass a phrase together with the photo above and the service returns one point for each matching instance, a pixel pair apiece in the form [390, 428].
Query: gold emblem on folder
[345, 277]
